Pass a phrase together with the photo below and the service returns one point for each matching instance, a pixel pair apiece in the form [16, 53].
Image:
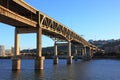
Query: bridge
[27, 19]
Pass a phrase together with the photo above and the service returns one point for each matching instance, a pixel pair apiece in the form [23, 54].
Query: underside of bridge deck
[26, 19]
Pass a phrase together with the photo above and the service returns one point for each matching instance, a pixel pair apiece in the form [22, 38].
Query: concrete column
[83, 51]
[39, 61]
[56, 54]
[16, 64]
[16, 60]
[76, 52]
[84, 55]
[92, 52]
[69, 60]
[88, 53]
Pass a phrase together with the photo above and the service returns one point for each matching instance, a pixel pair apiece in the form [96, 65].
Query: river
[98, 69]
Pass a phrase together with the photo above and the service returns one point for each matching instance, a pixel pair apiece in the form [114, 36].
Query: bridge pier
[55, 60]
[83, 52]
[91, 55]
[15, 60]
[16, 64]
[39, 61]
[69, 59]
[87, 53]
[76, 53]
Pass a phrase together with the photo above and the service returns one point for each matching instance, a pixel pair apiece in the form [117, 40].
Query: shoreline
[96, 57]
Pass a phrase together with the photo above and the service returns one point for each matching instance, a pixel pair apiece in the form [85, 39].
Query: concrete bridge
[27, 19]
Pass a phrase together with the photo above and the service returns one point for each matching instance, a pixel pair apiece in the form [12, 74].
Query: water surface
[102, 69]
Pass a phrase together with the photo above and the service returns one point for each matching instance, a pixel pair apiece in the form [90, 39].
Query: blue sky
[94, 19]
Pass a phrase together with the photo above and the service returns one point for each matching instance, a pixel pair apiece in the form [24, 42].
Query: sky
[93, 19]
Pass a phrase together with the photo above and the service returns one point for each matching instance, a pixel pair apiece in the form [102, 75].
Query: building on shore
[2, 50]
[117, 49]
[8, 52]
[12, 51]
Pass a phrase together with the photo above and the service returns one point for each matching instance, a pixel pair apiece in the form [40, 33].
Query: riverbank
[106, 57]
[6, 57]
[95, 57]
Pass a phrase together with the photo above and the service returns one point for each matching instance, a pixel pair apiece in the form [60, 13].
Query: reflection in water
[15, 75]
[70, 71]
[27, 75]
[80, 70]
[39, 74]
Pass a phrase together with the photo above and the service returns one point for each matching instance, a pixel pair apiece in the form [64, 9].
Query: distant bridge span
[27, 19]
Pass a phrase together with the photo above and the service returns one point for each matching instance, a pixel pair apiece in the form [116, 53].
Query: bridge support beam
[39, 61]
[76, 53]
[91, 53]
[16, 60]
[87, 53]
[55, 61]
[83, 51]
[69, 59]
